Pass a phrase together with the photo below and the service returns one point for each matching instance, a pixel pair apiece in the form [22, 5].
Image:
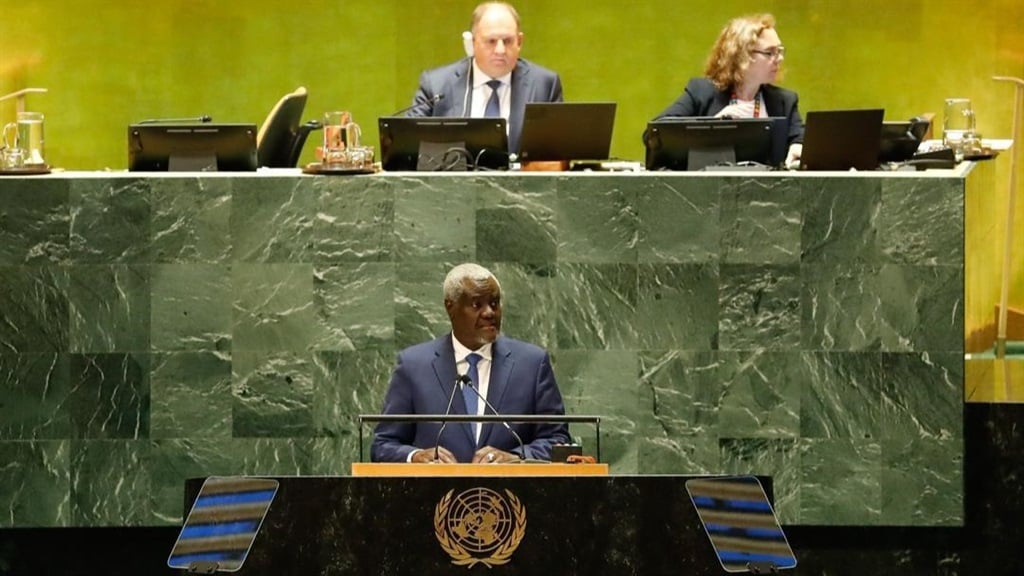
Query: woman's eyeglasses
[773, 54]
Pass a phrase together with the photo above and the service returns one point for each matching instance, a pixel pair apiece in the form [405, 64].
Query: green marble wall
[158, 328]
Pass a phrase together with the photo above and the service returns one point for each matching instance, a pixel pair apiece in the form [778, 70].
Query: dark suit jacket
[530, 83]
[701, 98]
[521, 382]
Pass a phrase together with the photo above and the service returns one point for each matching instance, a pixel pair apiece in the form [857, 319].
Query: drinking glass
[957, 123]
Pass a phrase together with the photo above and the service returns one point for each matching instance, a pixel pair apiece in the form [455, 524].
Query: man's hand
[426, 456]
[488, 455]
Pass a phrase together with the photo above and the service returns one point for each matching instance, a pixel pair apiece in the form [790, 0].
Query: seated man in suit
[514, 376]
[495, 82]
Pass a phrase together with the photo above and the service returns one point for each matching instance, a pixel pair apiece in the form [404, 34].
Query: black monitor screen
[900, 140]
[443, 144]
[192, 147]
[696, 143]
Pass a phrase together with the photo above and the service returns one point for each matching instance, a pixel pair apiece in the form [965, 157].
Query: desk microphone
[431, 102]
[201, 119]
[465, 380]
[447, 412]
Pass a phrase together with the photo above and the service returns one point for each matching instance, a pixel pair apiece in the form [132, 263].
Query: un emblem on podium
[480, 526]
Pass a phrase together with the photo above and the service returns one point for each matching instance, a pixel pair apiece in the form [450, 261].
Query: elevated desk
[807, 326]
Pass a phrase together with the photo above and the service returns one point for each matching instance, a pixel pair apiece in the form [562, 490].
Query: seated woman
[740, 70]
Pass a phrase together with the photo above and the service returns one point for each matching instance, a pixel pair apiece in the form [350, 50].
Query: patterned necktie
[470, 396]
[493, 109]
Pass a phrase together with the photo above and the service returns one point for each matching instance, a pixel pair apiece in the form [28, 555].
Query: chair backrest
[280, 139]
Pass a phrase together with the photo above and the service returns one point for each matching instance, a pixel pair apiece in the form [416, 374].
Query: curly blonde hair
[730, 56]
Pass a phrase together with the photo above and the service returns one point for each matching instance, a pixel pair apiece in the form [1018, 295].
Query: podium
[398, 525]
[389, 469]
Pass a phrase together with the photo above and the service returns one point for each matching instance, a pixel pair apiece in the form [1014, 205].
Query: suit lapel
[522, 85]
[460, 83]
[501, 369]
[444, 370]
[772, 102]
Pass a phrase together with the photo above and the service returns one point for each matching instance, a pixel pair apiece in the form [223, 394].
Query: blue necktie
[470, 396]
[493, 109]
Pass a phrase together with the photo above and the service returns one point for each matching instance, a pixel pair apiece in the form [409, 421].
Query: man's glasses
[773, 54]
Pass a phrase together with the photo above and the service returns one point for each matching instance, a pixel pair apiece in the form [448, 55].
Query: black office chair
[281, 137]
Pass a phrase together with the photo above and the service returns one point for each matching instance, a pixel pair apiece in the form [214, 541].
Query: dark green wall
[108, 63]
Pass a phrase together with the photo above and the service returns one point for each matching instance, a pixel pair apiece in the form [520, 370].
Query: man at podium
[454, 373]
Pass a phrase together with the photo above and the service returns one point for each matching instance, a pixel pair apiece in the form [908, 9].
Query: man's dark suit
[530, 83]
[702, 98]
[521, 382]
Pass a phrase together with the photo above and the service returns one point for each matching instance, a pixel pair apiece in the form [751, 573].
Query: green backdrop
[108, 63]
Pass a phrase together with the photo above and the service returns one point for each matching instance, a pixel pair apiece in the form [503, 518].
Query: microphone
[432, 101]
[467, 382]
[447, 411]
[201, 119]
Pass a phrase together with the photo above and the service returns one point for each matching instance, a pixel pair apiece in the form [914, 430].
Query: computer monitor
[696, 143]
[567, 131]
[162, 147]
[900, 140]
[442, 144]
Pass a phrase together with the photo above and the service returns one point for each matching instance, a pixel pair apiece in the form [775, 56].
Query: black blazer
[701, 98]
[530, 83]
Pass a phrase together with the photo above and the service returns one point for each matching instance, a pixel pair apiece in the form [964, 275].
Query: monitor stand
[192, 163]
[203, 568]
[700, 158]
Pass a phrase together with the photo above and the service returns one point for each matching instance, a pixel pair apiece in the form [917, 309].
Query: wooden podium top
[531, 469]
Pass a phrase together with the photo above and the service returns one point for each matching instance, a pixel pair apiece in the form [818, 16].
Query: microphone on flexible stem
[465, 380]
[447, 411]
[201, 119]
[431, 102]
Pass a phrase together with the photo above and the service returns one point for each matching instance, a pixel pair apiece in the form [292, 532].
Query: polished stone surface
[807, 327]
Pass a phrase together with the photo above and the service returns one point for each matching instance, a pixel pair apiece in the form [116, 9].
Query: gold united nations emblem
[480, 526]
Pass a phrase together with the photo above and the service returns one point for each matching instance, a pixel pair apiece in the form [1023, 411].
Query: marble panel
[760, 221]
[191, 220]
[191, 307]
[109, 308]
[841, 481]
[34, 301]
[677, 306]
[840, 307]
[921, 480]
[597, 220]
[922, 308]
[190, 395]
[605, 384]
[597, 307]
[921, 222]
[347, 384]
[840, 221]
[355, 220]
[34, 223]
[529, 301]
[354, 306]
[273, 394]
[33, 392]
[759, 307]
[272, 220]
[109, 396]
[843, 396]
[273, 306]
[515, 221]
[35, 483]
[684, 391]
[435, 217]
[111, 221]
[678, 221]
